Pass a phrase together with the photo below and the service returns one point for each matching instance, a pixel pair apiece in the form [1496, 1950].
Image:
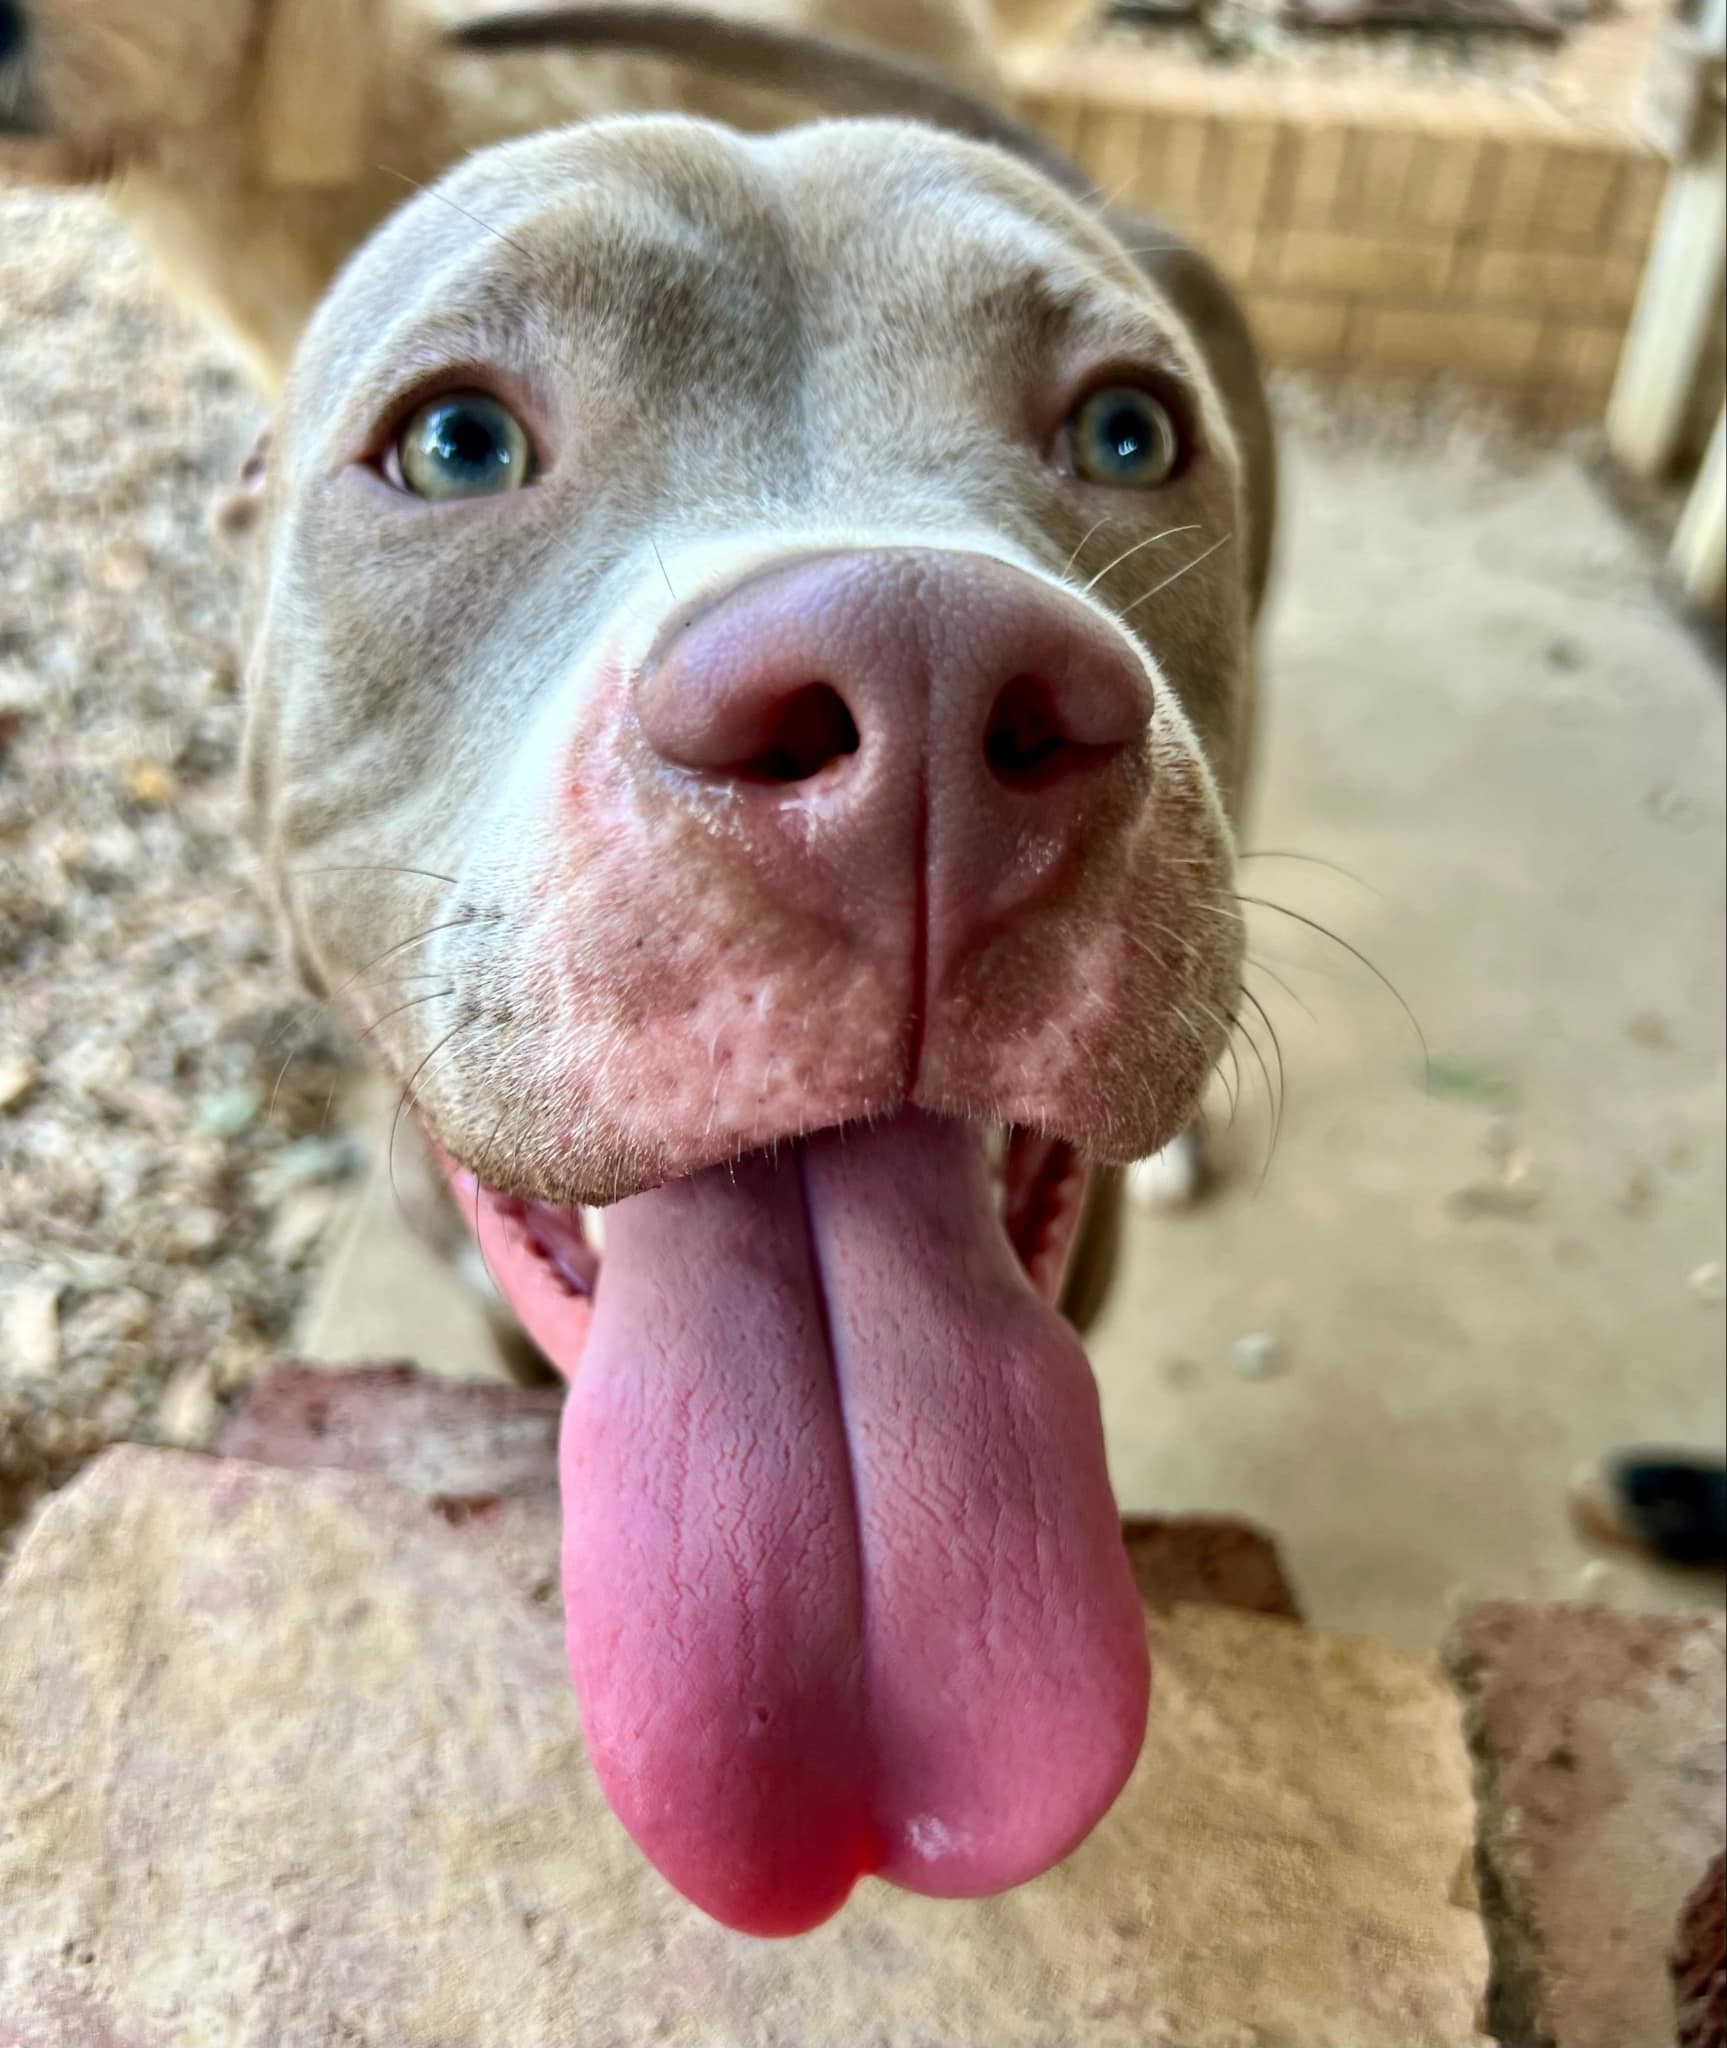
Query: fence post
[1682, 280]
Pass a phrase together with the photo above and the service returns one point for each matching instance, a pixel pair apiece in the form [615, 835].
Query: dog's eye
[1124, 438]
[465, 445]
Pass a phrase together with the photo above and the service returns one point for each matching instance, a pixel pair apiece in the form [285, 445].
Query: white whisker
[1176, 578]
[1150, 541]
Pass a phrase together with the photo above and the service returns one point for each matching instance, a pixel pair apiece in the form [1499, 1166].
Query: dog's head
[747, 661]
[90, 89]
[784, 580]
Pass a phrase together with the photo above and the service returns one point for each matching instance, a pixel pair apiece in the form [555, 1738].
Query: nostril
[810, 731]
[1026, 742]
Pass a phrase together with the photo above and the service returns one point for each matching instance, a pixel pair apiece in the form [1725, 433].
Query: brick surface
[1699, 1963]
[289, 1759]
[1516, 208]
[1318, 186]
[1484, 348]
[1243, 186]
[1307, 333]
[1600, 1748]
[1442, 179]
[1387, 160]
[1237, 253]
[1586, 360]
[1060, 117]
[1208, 1561]
[1578, 191]
[434, 1436]
[1636, 205]
[1180, 186]
[1547, 280]
[1112, 141]
[1378, 267]
[1482, 239]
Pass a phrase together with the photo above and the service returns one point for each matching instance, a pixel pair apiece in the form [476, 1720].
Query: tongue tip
[1046, 1803]
[784, 1905]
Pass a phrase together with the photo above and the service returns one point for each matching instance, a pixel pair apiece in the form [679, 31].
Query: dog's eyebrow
[479, 316]
[413, 360]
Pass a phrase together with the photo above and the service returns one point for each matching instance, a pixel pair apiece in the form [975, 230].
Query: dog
[749, 674]
[253, 144]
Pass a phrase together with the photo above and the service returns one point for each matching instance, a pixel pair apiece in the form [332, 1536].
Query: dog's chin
[563, 1170]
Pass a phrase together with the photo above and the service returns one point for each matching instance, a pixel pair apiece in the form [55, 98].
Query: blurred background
[1466, 1229]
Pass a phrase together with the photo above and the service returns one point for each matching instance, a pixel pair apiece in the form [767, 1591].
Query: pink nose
[863, 710]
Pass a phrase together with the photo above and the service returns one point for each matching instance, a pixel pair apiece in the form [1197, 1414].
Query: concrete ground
[1484, 712]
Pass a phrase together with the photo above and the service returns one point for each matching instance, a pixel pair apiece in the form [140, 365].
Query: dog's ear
[315, 85]
[235, 516]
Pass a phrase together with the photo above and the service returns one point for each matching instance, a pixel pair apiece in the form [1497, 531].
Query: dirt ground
[159, 1195]
[1481, 709]
[1389, 1336]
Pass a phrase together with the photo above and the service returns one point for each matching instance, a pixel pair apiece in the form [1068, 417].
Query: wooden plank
[1670, 329]
[1699, 553]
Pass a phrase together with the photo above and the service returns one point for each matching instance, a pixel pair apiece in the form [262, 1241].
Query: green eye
[1125, 439]
[464, 446]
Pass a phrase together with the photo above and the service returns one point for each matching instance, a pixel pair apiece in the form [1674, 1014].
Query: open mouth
[844, 1584]
[1040, 1186]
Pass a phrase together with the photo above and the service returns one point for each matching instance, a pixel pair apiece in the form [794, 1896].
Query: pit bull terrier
[750, 678]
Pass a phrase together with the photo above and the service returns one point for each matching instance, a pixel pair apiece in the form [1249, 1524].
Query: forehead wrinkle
[524, 307]
[981, 200]
[1110, 323]
[977, 245]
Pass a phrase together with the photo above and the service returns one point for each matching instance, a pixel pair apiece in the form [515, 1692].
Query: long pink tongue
[845, 1585]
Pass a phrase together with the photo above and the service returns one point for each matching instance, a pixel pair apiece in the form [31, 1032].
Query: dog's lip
[1042, 1182]
[511, 1184]
[521, 1187]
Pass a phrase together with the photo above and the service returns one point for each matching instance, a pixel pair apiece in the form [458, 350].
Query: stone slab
[290, 1759]
[1699, 1962]
[479, 1439]
[1600, 1748]
[1210, 1560]
[431, 1435]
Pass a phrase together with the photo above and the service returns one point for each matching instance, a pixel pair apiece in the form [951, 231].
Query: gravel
[1263, 37]
[163, 1088]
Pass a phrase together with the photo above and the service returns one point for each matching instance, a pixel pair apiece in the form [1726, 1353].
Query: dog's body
[253, 144]
[785, 799]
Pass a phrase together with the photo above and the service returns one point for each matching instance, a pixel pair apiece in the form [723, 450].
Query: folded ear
[235, 515]
[318, 69]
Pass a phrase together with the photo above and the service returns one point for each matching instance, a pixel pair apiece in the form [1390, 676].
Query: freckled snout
[861, 714]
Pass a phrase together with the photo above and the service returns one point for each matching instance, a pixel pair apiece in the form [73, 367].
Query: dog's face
[810, 405]
[90, 86]
[745, 633]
